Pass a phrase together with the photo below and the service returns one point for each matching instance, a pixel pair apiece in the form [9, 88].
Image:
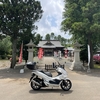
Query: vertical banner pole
[88, 70]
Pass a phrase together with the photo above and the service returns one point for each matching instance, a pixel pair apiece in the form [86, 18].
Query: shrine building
[51, 46]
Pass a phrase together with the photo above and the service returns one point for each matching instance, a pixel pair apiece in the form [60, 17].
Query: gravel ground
[4, 63]
[15, 86]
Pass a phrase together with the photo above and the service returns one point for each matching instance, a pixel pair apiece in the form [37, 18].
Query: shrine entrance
[48, 52]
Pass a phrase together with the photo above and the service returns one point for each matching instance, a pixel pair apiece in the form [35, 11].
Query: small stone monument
[76, 65]
[30, 51]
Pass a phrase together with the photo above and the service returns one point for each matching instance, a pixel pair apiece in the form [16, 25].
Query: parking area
[15, 86]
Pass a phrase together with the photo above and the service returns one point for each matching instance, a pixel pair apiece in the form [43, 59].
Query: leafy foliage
[38, 38]
[16, 18]
[19, 15]
[47, 37]
[82, 19]
[5, 47]
[59, 37]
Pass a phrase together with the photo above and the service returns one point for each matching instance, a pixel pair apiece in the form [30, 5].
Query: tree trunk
[91, 51]
[13, 61]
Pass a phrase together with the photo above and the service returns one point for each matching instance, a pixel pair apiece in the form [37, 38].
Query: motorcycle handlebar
[59, 65]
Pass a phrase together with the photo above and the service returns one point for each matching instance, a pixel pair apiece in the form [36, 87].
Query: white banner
[88, 55]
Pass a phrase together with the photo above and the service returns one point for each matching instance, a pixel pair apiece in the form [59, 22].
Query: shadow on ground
[92, 73]
[14, 73]
[46, 91]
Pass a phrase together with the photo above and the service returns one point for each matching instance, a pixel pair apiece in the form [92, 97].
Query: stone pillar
[30, 55]
[76, 65]
[76, 55]
[30, 51]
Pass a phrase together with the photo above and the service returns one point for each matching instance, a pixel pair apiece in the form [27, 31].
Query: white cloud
[52, 17]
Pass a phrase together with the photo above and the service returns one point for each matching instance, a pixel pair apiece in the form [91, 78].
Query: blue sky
[52, 18]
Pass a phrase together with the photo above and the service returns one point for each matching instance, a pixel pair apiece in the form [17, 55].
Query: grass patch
[96, 65]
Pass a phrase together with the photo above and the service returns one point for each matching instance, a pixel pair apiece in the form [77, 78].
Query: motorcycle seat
[47, 73]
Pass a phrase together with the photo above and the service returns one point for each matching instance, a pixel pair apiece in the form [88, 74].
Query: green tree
[5, 47]
[55, 37]
[2, 36]
[16, 17]
[38, 38]
[59, 37]
[52, 36]
[63, 41]
[82, 19]
[47, 37]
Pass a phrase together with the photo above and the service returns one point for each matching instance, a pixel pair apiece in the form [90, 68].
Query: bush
[3, 57]
[9, 56]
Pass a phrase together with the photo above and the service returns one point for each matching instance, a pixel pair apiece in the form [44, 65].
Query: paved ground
[15, 86]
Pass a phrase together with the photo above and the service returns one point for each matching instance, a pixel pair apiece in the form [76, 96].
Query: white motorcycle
[41, 78]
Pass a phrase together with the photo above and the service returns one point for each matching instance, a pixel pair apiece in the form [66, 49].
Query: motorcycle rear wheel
[34, 86]
[66, 85]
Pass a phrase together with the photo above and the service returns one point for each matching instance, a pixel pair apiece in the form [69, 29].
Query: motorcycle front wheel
[34, 86]
[66, 85]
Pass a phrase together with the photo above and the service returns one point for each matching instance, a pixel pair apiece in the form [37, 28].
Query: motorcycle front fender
[66, 79]
[63, 80]
[31, 79]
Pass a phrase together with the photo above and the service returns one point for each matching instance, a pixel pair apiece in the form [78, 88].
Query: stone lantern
[30, 51]
[76, 65]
